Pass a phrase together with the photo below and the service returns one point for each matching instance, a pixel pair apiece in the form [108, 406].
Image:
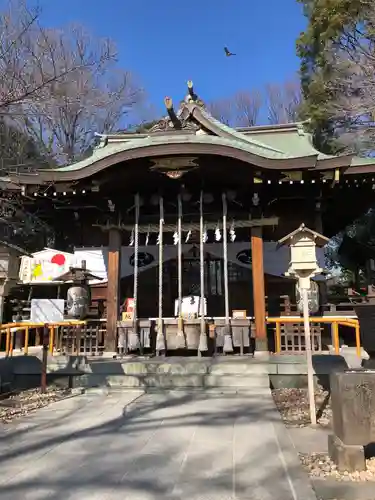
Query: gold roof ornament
[174, 167]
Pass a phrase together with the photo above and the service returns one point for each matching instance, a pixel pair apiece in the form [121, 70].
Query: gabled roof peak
[192, 116]
[319, 239]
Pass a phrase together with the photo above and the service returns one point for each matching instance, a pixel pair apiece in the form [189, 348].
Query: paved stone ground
[310, 440]
[129, 446]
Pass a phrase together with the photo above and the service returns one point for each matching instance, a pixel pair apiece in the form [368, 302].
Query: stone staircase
[176, 373]
[233, 373]
[230, 372]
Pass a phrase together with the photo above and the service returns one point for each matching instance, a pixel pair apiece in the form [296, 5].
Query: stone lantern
[303, 260]
[79, 295]
[303, 266]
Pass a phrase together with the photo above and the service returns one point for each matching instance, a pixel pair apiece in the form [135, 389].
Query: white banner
[45, 266]
[49, 264]
[148, 257]
[276, 261]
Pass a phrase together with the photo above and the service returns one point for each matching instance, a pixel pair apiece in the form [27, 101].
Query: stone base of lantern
[349, 458]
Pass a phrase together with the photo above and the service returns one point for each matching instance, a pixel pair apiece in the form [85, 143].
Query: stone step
[191, 368]
[32, 365]
[169, 381]
[275, 365]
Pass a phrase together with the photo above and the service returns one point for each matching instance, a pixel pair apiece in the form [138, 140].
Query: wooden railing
[293, 337]
[284, 306]
[24, 335]
[87, 337]
[85, 341]
[281, 305]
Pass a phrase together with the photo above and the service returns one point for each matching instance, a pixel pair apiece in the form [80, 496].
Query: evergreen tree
[18, 151]
[335, 27]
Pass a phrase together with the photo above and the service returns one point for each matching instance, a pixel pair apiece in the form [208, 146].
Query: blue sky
[168, 42]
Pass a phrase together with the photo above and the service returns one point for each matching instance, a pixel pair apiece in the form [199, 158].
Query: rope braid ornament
[228, 344]
[160, 340]
[135, 336]
[203, 337]
[180, 326]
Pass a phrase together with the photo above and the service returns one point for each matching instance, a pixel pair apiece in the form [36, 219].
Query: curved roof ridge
[272, 127]
[290, 137]
[232, 132]
[255, 149]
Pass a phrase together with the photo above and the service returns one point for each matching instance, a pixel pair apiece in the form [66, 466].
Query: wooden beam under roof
[191, 226]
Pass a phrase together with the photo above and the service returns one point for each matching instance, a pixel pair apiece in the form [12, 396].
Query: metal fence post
[43, 381]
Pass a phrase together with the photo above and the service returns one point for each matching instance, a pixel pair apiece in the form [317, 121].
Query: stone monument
[365, 312]
[353, 400]
[353, 411]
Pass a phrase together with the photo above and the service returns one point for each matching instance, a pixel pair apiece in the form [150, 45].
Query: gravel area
[293, 404]
[321, 466]
[19, 404]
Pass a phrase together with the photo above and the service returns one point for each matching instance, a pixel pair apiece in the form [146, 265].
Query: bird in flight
[228, 53]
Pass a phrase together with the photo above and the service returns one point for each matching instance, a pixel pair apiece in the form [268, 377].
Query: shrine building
[181, 223]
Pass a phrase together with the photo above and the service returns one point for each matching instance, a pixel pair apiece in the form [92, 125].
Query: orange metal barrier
[335, 322]
[10, 329]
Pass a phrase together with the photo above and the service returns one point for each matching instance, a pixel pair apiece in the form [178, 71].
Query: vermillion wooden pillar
[113, 288]
[258, 289]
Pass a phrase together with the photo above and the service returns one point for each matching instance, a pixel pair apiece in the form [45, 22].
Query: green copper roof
[192, 130]
[239, 136]
[274, 142]
[291, 138]
[250, 146]
[114, 148]
[359, 162]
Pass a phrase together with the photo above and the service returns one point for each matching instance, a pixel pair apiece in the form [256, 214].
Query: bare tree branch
[90, 94]
[222, 110]
[32, 57]
[56, 89]
[64, 123]
[352, 87]
[240, 110]
[17, 150]
[283, 102]
[247, 106]
[244, 108]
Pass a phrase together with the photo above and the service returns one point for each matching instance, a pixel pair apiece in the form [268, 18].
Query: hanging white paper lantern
[232, 233]
[205, 236]
[175, 238]
[217, 234]
[255, 199]
[111, 206]
[131, 243]
[147, 237]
